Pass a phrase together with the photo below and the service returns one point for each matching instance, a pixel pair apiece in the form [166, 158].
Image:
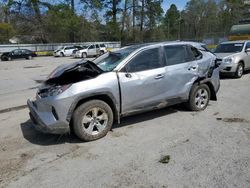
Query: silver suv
[89, 96]
[91, 50]
[234, 57]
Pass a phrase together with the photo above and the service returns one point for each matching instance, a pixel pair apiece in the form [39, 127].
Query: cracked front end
[49, 114]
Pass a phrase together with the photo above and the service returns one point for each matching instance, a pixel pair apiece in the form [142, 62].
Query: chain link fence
[52, 46]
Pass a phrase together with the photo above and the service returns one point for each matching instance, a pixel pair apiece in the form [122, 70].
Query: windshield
[229, 48]
[109, 61]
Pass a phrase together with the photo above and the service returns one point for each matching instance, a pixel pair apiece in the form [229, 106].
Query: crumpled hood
[60, 69]
[223, 55]
[75, 72]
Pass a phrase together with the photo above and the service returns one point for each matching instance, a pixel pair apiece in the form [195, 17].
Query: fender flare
[204, 80]
[100, 95]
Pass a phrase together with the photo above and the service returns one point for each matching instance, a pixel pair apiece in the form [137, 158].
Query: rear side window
[196, 53]
[102, 45]
[145, 60]
[70, 48]
[175, 54]
[25, 51]
[97, 46]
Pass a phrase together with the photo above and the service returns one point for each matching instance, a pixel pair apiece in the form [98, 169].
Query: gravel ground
[171, 147]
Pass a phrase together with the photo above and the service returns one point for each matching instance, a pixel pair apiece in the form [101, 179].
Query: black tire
[197, 98]
[29, 57]
[85, 110]
[84, 55]
[239, 70]
[101, 53]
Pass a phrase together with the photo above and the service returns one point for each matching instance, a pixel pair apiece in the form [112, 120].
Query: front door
[142, 81]
[92, 50]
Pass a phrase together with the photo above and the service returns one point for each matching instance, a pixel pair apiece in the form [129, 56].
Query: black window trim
[190, 46]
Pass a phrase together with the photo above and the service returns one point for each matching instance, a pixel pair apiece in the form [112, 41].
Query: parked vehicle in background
[240, 31]
[17, 54]
[91, 50]
[65, 51]
[78, 48]
[234, 57]
[103, 49]
[92, 95]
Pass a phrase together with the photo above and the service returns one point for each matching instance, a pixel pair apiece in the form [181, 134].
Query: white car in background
[91, 50]
[64, 51]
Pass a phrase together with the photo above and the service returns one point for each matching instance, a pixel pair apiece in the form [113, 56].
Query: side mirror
[217, 63]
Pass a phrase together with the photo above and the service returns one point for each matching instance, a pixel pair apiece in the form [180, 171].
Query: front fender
[99, 95]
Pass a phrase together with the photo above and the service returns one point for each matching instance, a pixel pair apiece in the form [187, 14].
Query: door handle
[159, 76]
[193, 67]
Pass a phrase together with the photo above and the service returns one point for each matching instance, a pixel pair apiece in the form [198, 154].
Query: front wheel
[92, 120]
[199, 97]
[239, 71]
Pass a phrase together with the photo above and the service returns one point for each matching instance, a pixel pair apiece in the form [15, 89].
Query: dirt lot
[171, 147]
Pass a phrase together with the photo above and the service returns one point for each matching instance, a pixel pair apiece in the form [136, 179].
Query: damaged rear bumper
[45, 121]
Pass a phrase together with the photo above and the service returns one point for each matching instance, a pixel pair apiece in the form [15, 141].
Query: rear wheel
[199, 97]
[84, 55]
[239, 70]
[101, 53]
[29, 57]
[92, 120]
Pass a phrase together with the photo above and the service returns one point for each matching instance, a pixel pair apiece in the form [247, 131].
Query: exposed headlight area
[52, 90]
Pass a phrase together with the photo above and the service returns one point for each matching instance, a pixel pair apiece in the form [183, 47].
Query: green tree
[6, 32]
[171, 22]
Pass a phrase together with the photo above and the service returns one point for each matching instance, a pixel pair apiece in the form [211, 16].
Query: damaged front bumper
[46, 121]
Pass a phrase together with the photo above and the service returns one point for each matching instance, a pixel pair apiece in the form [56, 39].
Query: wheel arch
[203, 80]
[242, 61]
[105, 97]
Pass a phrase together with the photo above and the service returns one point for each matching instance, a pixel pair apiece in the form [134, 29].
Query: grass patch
[165, 159]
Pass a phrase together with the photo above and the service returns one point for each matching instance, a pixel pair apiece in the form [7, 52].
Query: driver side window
[145, 60]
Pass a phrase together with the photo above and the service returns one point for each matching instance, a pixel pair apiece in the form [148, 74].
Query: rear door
[142, 81]
[69, 50]
[181, 71]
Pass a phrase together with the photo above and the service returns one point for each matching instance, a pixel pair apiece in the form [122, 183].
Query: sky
[179, 3]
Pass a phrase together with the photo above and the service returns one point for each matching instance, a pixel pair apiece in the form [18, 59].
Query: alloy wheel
[95, 121]
[201, 98]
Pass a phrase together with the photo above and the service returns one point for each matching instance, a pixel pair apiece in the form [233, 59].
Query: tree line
[129, 21]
